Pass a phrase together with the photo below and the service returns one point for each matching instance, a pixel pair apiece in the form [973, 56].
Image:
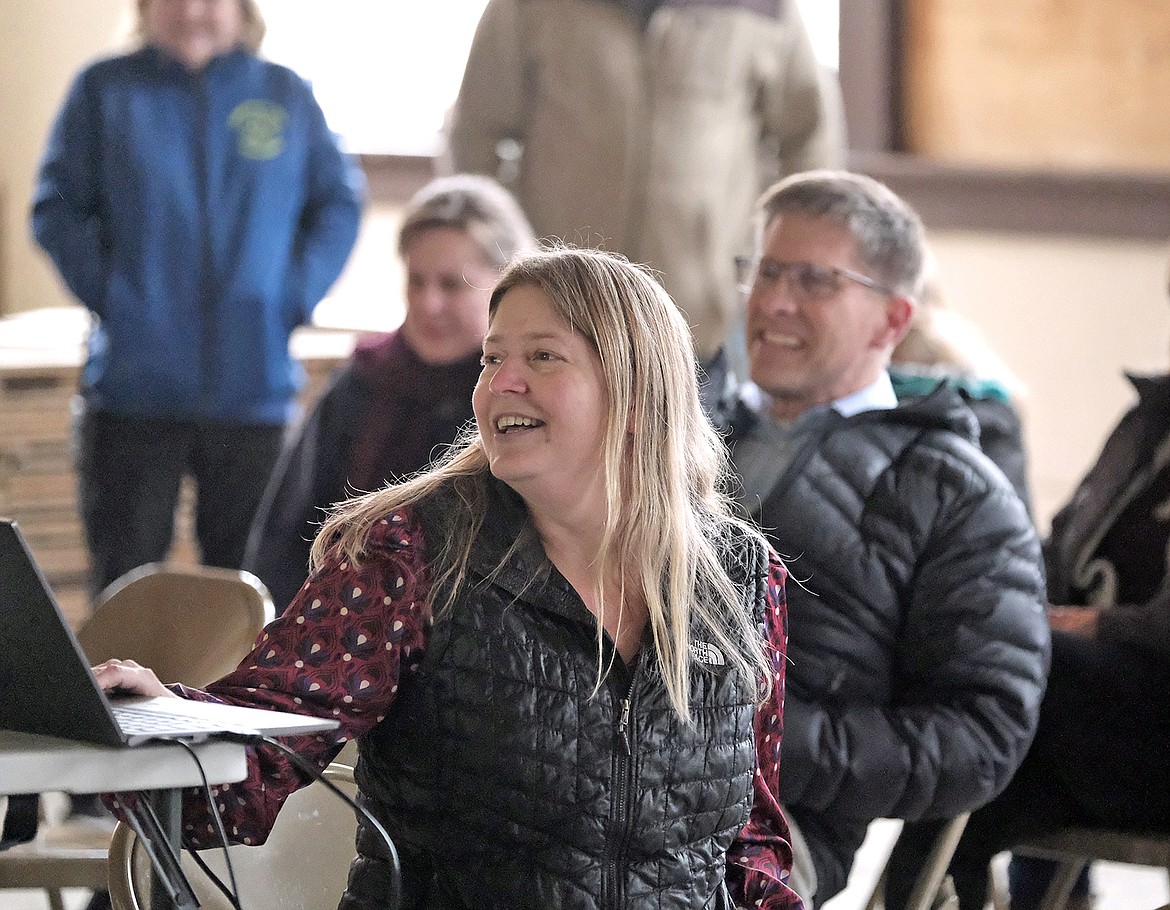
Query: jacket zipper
[207, 306]
[621, 814]
[623, 726]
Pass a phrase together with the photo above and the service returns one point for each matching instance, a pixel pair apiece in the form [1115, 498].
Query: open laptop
[46, 685]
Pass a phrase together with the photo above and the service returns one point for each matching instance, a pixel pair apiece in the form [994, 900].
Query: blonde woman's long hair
[664, 468]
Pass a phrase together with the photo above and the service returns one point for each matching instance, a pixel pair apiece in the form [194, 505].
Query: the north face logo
[706, 653]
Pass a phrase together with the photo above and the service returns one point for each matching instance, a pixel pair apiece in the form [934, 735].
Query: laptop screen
[45, 682]
[47, 687]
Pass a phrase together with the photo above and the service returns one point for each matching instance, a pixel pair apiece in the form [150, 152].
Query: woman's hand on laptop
[125, 677]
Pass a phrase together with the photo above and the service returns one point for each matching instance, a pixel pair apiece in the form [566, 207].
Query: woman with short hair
[403, 396]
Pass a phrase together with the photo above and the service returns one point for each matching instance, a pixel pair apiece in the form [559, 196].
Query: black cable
[232, 894]
[314, 773]
[212, 877]
[140, 815]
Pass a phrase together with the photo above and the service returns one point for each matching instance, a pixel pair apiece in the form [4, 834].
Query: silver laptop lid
[47, 687]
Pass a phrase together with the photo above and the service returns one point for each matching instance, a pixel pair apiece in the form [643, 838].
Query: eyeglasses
[806, 281]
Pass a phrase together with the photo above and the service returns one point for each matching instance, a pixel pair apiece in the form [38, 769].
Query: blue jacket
[201, 217]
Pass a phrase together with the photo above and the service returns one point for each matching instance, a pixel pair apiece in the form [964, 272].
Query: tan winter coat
[654, 142]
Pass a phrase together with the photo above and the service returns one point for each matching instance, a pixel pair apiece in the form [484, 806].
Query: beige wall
[1067, 315]
[42, 44]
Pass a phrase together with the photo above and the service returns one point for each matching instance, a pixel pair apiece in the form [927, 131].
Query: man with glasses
[918, 641]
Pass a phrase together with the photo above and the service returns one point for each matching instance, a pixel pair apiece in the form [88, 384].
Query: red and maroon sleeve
[338, 651]
[760, 860]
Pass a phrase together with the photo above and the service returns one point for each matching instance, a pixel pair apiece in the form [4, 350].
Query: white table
[36, 764]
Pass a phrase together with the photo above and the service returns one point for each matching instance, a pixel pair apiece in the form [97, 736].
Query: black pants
[1099, 758]
[129, 471]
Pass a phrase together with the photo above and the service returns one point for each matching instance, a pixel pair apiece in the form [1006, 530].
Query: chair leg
[930, 879]
[877, 898]
[56, 901]
[1062, 883]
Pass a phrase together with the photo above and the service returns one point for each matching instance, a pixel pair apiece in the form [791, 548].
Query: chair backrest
[302, 866]
[190, 624]
[1072, 848]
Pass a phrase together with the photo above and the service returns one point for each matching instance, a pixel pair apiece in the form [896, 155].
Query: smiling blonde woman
[561, 656]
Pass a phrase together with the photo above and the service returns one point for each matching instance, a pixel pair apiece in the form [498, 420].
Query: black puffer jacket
[1001, 435]
[918, 644]
[506, 784]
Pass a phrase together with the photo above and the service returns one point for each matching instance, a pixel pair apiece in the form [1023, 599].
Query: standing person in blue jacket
[194, 199]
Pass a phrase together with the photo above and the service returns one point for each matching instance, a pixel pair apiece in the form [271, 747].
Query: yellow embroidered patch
[259, 127]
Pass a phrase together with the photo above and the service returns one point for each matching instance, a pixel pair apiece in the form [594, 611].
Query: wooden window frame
[1111, 204]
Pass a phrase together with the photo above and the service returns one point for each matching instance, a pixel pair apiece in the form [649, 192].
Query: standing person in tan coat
[648, 127]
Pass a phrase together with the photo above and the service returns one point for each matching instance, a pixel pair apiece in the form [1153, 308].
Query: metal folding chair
[1074, 847]
[303, 865]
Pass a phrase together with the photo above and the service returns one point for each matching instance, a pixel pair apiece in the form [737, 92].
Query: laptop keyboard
[135, 720]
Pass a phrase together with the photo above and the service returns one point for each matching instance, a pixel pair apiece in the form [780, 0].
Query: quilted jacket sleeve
[919, 651]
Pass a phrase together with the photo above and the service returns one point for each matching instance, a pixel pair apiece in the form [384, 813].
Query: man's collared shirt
[762, 456]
